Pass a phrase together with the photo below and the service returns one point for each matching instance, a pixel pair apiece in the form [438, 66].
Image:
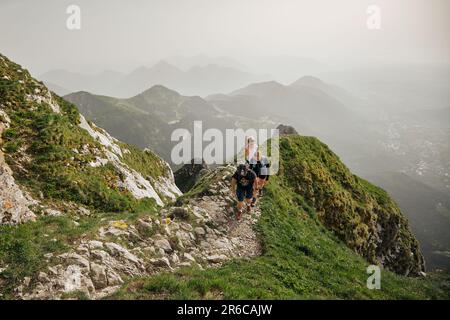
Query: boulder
[189, 174]
[98, 276]
[121, 251]
[76, 259]
[188, 257]
[200, 231]
[163, 244]
[94, 244]
[113, 278]
[286, 130]
[161, 262]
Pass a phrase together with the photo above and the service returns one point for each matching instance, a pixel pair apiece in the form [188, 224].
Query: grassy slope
[39, 148]
[356, 210]
[23, 247]
[63, 178]
[301, 260]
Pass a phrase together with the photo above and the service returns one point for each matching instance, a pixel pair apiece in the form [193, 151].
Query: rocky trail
[82, 213]
[96, 170]
[202, 232]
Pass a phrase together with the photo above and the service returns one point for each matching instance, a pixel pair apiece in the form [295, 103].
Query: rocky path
[240, 232]
[202, 232]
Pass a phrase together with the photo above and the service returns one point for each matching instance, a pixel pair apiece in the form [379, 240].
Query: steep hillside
[428, 211]
[56, 154]
[359, 213]
[301, 258]
[124, 121]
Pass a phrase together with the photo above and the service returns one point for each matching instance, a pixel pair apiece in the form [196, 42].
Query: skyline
[122, 36]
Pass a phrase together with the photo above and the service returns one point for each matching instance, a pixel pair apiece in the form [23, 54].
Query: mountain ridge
[165, 110]
[197, 80]
[98, 224]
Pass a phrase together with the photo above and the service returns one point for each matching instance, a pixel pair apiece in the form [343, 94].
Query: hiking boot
[253, 202]
[249, 208]
[239, 215]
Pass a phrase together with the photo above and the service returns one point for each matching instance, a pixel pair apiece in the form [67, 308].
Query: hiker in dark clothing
[260, 165]
[243, 184]
[263, 174]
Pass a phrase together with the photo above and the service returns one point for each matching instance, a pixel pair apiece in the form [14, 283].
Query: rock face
[59, 155]
[131, 180]
[286, 130]
[14, 203]
[188, 175]
[361, 214]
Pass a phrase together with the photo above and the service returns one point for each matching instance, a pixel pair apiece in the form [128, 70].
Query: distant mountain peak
[163, 65]
[159, 90]
[269, 83]
[161, 68]
[258, 88]
[308, 81]
[139, 70]
[162, 62]
[81, 93]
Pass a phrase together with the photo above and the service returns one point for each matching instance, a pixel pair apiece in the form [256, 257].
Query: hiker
[262, 172]
[251, 147]
[259, 164]
[243, 184]
[250, 153]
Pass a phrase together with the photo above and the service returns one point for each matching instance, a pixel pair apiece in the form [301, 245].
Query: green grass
[51, 155]
[354, 209]
[301, 260]
[145, 162]
[56, 170]
[22, 247]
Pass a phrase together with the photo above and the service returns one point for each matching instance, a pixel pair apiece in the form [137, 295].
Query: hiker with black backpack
[243, 185]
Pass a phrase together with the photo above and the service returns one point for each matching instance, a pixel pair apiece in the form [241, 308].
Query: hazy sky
[124, 34]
